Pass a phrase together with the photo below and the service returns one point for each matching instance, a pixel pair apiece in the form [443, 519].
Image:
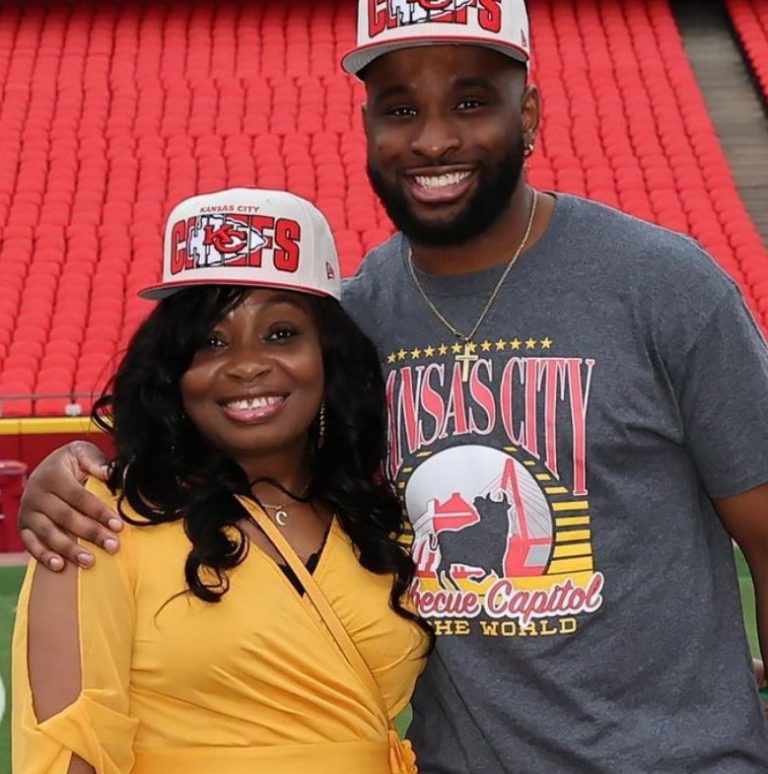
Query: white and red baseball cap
[388, 25]
[248, 236]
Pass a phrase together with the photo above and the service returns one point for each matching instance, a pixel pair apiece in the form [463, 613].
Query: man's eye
[402, 111]
[469, 104]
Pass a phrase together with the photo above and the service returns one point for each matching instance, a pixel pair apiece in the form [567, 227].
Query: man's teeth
[252, 403]
[441, 181]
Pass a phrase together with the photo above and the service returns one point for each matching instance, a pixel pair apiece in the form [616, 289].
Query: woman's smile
[253, 409]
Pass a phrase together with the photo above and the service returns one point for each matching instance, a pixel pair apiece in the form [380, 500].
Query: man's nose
[436, 139]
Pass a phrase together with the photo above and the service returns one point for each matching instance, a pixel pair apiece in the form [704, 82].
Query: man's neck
[495, 246]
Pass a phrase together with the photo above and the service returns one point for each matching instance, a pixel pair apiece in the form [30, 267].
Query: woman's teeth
[252, 403]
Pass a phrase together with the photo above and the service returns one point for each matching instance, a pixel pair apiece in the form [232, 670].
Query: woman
[248, 421]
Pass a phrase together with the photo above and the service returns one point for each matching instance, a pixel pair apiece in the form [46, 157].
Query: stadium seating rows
[750, 19]
[111, 113]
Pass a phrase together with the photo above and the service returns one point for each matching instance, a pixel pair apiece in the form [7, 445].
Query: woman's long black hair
[166, 471]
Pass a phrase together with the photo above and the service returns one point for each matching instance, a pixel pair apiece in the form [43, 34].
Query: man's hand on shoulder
[56, 509]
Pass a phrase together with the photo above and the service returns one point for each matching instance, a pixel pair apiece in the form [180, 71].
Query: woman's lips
[255, 409]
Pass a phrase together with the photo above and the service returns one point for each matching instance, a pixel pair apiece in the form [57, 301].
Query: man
[576, 409]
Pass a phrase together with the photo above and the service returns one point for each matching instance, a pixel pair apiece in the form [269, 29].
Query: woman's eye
[214, 342]
[469, 104]
[282, 334]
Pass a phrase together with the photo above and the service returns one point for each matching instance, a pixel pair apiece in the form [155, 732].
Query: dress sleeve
[97, 725]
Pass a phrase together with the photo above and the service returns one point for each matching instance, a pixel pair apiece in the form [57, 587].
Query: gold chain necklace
[467, 357]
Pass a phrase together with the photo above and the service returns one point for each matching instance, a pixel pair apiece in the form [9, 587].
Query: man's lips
[440, 186]
[252, 408]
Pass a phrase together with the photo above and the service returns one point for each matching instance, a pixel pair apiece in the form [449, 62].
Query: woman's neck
[274, 477]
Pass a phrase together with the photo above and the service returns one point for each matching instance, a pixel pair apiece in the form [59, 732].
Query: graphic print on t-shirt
[488, 445]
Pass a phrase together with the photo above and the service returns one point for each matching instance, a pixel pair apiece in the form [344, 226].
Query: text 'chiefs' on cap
[389, 25]
[248, 236]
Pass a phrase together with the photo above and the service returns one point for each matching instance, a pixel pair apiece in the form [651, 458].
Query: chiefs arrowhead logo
[221, 239]
[420, 11]
[227, 239]
[475, 16]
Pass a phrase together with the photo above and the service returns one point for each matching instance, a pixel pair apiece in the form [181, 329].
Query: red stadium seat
[750, 19]
[121, 123]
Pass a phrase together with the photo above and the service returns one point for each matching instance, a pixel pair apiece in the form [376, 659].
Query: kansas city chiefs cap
[389, 25]
[247, 236]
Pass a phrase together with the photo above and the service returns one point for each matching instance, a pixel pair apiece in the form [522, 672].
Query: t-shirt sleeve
[97, 726]
[724, 400]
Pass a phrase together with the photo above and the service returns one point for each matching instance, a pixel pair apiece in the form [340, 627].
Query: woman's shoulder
[138, 533]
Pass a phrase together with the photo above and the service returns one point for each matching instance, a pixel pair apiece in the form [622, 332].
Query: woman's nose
[248, 363]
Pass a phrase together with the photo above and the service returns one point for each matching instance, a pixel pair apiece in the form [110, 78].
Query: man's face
[445, 138]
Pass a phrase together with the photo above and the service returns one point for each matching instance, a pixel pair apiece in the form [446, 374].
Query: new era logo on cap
[248, 237]
[388, 25]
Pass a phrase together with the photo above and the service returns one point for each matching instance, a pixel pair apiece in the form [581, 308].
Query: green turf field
[10, 581]
[748, 603]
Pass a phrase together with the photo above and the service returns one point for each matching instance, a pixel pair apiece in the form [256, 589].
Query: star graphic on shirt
[547, 343]
[456, 348]
[391, 358]
[472, 347]
[530, 344]
[486, 346]
[515, 343]
[442, 349]
[501, 345]
[402, 354]
[429, 352]
[415, 354]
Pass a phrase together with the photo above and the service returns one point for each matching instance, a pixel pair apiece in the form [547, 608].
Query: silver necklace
[281, 515]
[466, 358]
[281, 511]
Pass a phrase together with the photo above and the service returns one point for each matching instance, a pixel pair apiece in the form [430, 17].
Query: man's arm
[745, 516]
[55, 506]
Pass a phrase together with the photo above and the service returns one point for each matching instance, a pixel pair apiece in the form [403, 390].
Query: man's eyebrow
[401, 90]
[398, 90]
[473, 82]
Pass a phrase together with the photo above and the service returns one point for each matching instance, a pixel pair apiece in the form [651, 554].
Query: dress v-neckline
[281, 568]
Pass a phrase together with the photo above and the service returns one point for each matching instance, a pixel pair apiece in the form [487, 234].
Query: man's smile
[442, 185]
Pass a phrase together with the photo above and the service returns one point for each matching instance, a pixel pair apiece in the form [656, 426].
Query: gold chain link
[492, 299]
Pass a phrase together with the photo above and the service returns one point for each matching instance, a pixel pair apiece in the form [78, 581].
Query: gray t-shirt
[558, 480]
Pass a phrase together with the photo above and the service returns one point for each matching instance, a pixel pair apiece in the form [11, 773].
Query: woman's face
[256, 385]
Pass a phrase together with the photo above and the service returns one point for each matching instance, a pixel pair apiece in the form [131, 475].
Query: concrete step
[735, 106]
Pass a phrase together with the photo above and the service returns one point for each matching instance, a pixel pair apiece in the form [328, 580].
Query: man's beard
[494, 193]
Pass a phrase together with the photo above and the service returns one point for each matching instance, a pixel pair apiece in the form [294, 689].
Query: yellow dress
[252, 684]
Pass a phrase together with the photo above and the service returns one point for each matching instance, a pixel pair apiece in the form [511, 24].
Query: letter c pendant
[281, 517]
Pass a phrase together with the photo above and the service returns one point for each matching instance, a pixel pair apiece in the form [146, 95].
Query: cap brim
[360, 58]
[164, 290]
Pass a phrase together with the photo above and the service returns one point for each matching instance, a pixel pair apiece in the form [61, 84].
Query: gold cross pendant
[466, 360]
